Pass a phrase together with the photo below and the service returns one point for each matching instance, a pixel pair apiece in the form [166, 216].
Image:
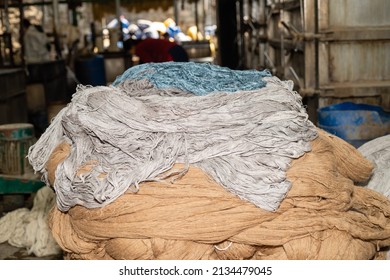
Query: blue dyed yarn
[197, 78]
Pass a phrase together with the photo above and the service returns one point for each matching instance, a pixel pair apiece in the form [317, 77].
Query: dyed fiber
[135, 132]
[199, 79]
[324, 216]
[188, 169]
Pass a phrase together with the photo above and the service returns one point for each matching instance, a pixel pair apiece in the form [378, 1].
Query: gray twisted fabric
[134, 132]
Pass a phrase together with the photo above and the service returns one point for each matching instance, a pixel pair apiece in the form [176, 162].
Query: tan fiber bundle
[324, 216]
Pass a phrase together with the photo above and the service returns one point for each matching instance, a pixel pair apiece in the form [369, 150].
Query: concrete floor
[9, 252]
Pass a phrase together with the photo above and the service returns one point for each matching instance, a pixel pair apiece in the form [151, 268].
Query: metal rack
[333, 50]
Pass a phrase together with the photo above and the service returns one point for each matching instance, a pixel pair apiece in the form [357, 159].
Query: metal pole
[117, 9]
[55, 14]
[176, 11]
[6, 22]
[118, 16]
[196, 19]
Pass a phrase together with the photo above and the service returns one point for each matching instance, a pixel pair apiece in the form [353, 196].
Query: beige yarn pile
[325, 215]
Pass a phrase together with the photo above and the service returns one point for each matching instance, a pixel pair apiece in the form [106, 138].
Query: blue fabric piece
[197, 78]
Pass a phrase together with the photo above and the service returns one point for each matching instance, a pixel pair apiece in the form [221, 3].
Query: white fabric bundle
[378, 151]
[29, 229]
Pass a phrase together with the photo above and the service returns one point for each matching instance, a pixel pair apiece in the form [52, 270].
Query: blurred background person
[36, 43]
[157, 50]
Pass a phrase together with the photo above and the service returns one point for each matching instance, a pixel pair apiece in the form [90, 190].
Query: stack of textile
[195, 161]
[378, 151]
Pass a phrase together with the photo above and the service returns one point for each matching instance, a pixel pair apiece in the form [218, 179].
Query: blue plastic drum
[91, 70]
[355, 123]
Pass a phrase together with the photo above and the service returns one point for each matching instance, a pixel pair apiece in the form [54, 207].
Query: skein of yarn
[134, 132]
[190, 168]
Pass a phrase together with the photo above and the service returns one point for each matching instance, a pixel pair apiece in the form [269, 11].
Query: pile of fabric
[378, 151]
[195, 161]
[25, 228]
